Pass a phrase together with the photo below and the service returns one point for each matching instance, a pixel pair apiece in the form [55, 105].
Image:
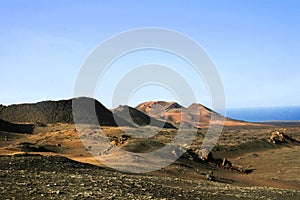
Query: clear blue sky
[255, 45]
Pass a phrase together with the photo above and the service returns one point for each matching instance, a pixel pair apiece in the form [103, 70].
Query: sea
[265, 114]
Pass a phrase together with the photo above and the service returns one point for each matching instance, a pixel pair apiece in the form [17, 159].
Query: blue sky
[254, 43]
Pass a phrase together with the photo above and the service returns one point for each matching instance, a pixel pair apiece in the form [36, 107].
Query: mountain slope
[51, 112]
[135, 116]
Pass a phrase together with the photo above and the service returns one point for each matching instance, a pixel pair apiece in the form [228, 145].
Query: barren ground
[58, 166]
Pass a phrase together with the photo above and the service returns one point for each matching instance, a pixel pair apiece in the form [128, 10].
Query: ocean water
[291, 113]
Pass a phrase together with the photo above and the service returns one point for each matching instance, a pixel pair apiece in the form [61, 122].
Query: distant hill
[175, 113]
[282, 123]
[51, 112]
[139, 118]
[155, 113]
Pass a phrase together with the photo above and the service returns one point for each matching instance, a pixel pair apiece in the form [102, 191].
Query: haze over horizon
[254, 44]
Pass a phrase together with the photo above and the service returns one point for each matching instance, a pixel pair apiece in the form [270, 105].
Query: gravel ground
[54, 177]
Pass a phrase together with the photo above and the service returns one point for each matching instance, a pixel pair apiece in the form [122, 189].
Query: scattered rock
[209, 175]
[226, 163]
[114, 142]
[205, 155]
[122, 139]
[277, 137]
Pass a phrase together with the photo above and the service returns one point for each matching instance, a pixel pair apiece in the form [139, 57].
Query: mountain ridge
[157, 112]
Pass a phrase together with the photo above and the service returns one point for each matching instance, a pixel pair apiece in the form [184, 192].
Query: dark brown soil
[53, 177]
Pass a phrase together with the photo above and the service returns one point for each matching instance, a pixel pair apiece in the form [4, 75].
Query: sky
[254, 44]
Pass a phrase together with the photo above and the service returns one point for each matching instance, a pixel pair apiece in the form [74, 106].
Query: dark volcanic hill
[135, 116]
[50, 112]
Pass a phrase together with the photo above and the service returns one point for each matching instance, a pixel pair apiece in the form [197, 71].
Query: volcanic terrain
[42, 154]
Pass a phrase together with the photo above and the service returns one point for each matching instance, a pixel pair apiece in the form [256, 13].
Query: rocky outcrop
[278, 137]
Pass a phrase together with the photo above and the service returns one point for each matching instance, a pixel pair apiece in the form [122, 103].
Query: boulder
[277, 137]
[205, 155]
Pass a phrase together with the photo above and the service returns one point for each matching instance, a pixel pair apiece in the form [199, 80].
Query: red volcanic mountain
[195, 115]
